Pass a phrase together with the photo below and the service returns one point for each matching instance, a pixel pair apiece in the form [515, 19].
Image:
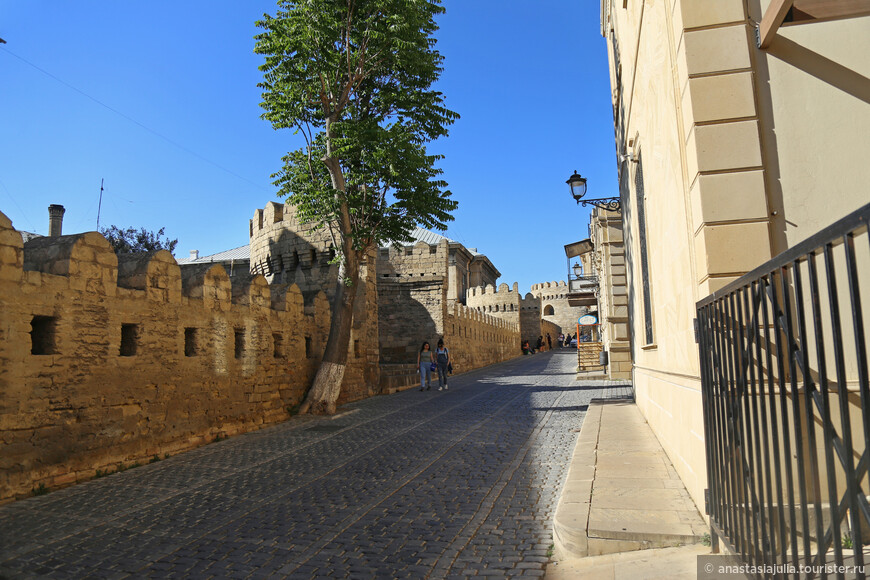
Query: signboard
[587, 320]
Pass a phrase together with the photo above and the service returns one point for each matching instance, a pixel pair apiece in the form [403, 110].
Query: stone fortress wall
[476, 340]
[555, 308]
[286, 251]
[412, 288]
[408, 296]
[508, 304]
[528, 311]
[104, 362]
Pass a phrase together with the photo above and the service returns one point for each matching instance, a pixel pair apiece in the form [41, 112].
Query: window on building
[549, 310]
[239, 349]
[309, 351]
[42, 335]
[356, 350]
[129, 339]
[190, 342]
[277, 345]
[649, 330]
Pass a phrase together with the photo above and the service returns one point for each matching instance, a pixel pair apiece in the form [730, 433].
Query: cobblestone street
[459, 483]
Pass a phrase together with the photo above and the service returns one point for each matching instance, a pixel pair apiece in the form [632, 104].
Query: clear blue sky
[176, 132]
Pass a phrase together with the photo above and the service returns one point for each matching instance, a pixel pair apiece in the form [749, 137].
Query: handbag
[433, 367]
[450, 368]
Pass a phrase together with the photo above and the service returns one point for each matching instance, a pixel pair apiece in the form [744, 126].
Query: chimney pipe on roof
[194, 254]
[55, 220]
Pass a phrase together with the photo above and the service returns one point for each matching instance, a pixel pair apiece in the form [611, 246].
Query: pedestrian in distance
[561, 340]
[442, 358]
[549, 342]
[425, 360]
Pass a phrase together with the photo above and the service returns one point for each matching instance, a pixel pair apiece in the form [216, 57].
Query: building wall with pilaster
[735, 154]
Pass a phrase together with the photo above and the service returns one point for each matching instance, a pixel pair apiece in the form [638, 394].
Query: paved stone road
[451, 484]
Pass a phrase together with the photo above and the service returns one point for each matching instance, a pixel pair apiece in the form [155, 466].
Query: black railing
[786, 405]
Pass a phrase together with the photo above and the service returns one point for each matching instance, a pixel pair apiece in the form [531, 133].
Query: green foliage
[219, 437]
[355, 78]
[155, 459]
[847, 541]
[129, 241]
[39, 489]
[705, 540]
[100, 473]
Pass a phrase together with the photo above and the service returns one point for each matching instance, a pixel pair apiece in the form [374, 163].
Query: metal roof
[431, 238]
[240, 253]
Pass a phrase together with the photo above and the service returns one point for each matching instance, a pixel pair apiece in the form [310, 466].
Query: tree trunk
[324, 392]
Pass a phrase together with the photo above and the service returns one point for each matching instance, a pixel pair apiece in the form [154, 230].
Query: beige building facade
[608, 262]
[729, 155]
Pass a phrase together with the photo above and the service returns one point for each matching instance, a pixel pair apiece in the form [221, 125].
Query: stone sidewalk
[623, 495]
[453, 484]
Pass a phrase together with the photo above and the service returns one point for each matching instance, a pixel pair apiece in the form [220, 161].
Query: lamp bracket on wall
[607, 203]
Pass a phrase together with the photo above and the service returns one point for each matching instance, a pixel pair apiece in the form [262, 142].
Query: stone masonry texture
[452, 484]
[107, 361]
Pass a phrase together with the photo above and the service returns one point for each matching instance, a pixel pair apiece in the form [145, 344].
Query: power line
[24, 215]
[134, 121]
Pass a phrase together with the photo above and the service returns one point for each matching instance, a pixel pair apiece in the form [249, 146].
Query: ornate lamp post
[578, 190]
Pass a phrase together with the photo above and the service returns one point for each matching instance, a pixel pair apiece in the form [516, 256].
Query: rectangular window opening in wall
[649, 330]
[309, 352]
[239, 346]
[129, 339]
[190, 343]
[42, 335]
[356, 350]
[277, 345]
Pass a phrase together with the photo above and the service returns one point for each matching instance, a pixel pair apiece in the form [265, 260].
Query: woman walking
[442, 357]
[425, 358]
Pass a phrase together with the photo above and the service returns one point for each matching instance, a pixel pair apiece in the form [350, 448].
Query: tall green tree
[354, 78]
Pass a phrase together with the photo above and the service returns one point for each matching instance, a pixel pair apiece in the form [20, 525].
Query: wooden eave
[791, 12]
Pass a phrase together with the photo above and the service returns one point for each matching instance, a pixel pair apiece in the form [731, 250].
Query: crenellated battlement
[476, 338]
[412, 262]
[464, 313]
[551, 289]
[499, 303]
[107, 360]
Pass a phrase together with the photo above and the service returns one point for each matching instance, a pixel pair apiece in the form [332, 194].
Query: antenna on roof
[100, 205]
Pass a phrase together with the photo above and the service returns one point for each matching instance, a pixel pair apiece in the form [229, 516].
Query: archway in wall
[549, 310]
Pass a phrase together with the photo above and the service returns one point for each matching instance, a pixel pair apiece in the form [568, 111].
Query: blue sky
[160, 100]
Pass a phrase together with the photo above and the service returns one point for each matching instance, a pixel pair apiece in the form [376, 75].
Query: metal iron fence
[786, 405]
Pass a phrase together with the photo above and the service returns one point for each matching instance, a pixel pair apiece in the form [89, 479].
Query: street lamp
[578, 190]
[578, 269]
